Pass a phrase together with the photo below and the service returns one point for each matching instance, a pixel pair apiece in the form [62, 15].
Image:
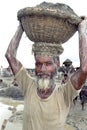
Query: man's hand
[82, 28]
[20, 27]
[20, 24]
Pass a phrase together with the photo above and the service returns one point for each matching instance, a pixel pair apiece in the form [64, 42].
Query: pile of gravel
[13, 92]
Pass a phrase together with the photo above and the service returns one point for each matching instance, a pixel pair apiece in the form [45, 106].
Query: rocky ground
[78, 117]
[9, 88]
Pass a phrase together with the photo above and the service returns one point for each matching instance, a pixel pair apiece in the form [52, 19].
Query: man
[67, 67]
[83, 96]
[47, 103]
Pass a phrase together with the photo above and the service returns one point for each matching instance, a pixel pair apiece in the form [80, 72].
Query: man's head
[45, 69]
[47, 59]
[67, 63]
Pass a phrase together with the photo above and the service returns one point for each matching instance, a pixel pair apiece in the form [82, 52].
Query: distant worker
[67, 67]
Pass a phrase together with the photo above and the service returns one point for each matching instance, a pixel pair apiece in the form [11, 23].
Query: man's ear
[58, 64]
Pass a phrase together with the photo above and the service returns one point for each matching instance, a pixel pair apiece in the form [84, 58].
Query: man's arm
[12, 50]
[79, 77]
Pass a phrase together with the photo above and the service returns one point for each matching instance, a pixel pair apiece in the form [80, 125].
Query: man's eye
[48, 63]
[38, 64]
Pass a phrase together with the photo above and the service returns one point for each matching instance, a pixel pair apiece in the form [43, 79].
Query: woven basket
[46, 25]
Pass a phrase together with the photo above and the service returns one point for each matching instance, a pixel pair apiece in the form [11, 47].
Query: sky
[9, 24]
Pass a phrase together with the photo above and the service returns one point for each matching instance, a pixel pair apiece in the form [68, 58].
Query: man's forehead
[44, 58]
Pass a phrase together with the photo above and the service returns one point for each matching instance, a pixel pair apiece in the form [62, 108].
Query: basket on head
[48, 22]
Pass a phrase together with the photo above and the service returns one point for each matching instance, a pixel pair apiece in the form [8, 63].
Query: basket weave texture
[49, 23]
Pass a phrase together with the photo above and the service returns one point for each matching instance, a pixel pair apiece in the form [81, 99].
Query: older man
[47, 102]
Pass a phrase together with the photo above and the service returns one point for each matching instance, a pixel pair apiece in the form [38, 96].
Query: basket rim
[52, 12]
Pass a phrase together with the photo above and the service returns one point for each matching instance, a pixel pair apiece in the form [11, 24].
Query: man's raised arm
[80, 76]
[12, 50]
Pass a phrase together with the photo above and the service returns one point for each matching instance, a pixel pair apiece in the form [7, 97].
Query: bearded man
[47, 102]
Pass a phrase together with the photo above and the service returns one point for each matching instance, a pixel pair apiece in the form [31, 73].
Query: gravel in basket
[48, 22]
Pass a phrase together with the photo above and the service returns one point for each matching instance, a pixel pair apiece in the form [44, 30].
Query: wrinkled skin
[45, 66]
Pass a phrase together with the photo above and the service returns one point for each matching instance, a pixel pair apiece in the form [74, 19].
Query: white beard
[43, 83]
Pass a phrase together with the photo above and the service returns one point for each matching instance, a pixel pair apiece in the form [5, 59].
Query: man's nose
[43, 68]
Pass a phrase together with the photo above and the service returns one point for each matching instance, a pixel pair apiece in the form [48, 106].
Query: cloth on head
[47, 49]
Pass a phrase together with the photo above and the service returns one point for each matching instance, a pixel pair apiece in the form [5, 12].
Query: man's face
[45, 69]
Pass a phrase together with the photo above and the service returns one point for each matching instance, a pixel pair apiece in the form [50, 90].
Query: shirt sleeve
[23, 79]
[69, 91]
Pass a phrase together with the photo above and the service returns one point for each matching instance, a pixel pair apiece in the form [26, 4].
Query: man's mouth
[43, 75]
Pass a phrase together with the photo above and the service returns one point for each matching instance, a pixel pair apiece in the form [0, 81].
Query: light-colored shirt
[44, 114]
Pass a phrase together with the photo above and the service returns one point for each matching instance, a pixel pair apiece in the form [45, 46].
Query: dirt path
[78, 117]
